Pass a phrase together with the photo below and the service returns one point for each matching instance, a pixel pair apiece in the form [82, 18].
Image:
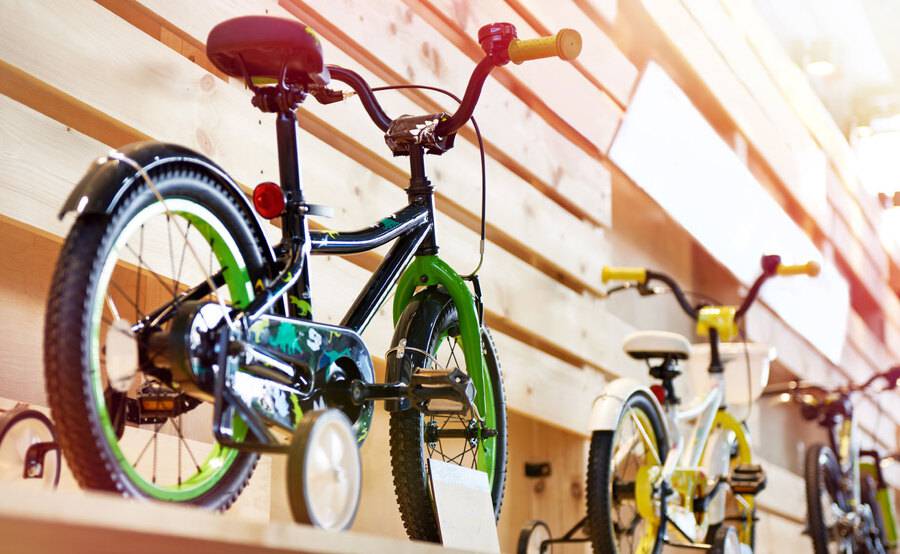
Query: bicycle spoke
[453, 354]
[150, 269]
[181, 262]
[172, 251]
[186, 445]
[137, 283]
[146, 446]
[155, 448]
[133, 303]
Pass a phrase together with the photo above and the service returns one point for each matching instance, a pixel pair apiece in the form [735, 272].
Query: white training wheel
[532, 538]
[324, 471]
[28, 448]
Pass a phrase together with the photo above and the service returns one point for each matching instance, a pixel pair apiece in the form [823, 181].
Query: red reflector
[660, 393]
[268, 199]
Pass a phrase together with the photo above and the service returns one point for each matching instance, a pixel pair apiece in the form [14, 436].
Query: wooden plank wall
[558, 208]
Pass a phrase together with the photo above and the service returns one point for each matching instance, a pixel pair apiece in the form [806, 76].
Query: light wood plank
[796, 88]
[506, 279]
[686, 34]
[48, 521]
[803, 166]
[600, 58]
[552, 158]
[588, 110]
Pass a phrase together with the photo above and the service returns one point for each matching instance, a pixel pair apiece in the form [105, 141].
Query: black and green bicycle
[180, 344]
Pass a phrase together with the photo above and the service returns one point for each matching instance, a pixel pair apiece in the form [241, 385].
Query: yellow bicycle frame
[687, 478]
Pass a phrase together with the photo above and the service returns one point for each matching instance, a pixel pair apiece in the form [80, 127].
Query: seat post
[293, 220]
[294, 225]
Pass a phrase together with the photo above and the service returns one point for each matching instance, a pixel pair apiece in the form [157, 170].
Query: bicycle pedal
[447, 386]
[747, 479]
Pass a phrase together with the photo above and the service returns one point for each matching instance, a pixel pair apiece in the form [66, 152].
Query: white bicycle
[660, 474]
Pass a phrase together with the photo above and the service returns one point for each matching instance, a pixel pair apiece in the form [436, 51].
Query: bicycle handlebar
[771, 266]
[891, 376]
[364, 91]
[566, 44]
[810, 268]
[500, 44]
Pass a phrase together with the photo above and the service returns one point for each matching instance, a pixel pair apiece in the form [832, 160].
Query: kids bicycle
[658, 474]
[849, 507]
[169, 308]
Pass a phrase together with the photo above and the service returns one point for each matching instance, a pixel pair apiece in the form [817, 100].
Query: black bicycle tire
[868, 497]
[815, 477]
[408, 465]
[68, 384]
[599, 499]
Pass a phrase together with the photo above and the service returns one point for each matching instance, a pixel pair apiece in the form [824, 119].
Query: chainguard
[283, 368]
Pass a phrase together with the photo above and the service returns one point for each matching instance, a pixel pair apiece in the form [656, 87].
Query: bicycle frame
[833, 410]
[413, 229]
[684, 470]
[412, 226]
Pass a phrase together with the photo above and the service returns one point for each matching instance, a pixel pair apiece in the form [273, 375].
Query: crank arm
[277, 366]
[458, 433]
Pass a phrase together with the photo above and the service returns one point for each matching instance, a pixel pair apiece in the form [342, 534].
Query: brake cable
[471, 276]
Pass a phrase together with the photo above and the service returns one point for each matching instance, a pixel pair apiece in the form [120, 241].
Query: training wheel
[532, 538]
[726, 541]
[324, 471]
[28, 448]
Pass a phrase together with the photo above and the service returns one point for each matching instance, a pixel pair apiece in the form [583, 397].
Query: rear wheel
[826, 502]
[415, 438]
[619, 466]
[122, 425]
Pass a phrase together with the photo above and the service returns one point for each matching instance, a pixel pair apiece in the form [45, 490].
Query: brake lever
[646, 290]
[330, 96]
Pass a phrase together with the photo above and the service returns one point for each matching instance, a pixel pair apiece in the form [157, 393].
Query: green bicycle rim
[484, 401]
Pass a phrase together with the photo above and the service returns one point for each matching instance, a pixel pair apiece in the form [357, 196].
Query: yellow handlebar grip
[566, 44]
[809, 268]
[637, 274]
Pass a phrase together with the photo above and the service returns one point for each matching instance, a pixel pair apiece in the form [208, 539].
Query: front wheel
[875, 540]
[619, 482]
[430, 325]
[826, 502]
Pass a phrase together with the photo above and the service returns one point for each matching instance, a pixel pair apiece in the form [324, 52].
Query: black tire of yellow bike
[599, 497]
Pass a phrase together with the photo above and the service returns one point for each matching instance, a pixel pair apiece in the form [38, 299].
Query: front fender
[608, 406]
[431, 271]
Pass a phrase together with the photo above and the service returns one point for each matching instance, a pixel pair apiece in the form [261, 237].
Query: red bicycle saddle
[265, 46]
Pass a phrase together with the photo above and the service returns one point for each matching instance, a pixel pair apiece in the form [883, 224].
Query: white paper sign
[465, 511]
[667, 147]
